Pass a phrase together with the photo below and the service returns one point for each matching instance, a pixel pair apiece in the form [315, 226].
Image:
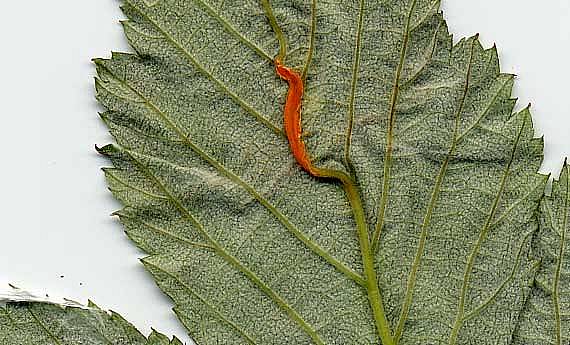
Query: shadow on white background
[57, 237]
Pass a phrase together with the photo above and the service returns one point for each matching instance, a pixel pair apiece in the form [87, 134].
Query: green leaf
[426, 240]
[546, 317]
[50, 324]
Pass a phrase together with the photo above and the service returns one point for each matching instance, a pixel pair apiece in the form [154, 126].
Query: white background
[54, 203]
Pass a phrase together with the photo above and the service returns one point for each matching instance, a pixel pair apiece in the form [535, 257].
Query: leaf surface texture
[49, 324]
[546, 316]
[251, 248]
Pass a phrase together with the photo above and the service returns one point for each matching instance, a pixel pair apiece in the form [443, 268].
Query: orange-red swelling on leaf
[292, 117]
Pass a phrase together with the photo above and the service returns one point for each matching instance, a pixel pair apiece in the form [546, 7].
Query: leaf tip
[99, 62]
[146, 264]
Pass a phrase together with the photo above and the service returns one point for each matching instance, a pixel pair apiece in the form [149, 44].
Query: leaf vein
[389, 132]
[208, 305]
[167, 233]
[43, 327]
[482, 235]
[560, 258]
[431, 206]
[230, 28]
[353, 86]
[142, 191]
[312, 35]
[479, 309]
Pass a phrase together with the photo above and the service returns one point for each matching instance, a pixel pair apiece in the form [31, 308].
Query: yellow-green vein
[44, 327]
[230, 28]
[477, 310]
[428, 59]
[208, 305]
[482, 236]
[353, 195]
[280, 37]
[560, 259]
[312, 35]
[353, 85]
[431, 206]
[164, 232]
[508, 80]
[374, 296]
[390, 133]
[125, 184]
